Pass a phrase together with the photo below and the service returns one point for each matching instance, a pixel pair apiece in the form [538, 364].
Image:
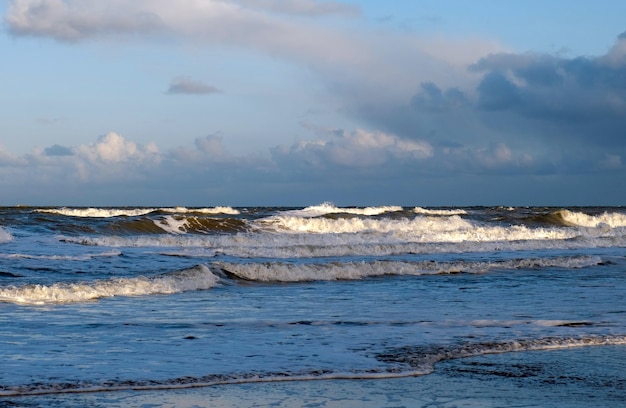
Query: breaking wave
[133, 212]
[330, 208]
[420, 210]
[196, 278]
[253, 245]
[290, 272]
[210, 210]
[187, 224]
[612, 220]
[418, 224]
[204, 277]
[424, 358]
[97, 212]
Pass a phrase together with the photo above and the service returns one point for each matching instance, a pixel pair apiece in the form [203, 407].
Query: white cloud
[74, 20]
[357, 149]
[9, 159]
[211, 145]
[113, 156]
[354, 59]
[114, 148]
[360, 163]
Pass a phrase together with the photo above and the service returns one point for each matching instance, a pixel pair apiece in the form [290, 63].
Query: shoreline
[574, 377]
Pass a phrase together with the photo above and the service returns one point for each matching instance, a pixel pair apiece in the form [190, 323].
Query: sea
[318, 306]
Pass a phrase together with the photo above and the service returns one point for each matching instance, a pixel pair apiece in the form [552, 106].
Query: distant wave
[209, 210]
[398, 362]
[197, 278]
[330, 208]
[133, 212]
[301, 245]
[421, 225]
[420, 210]
[97, 212]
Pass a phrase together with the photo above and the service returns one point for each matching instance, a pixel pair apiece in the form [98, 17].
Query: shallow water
[574, 377]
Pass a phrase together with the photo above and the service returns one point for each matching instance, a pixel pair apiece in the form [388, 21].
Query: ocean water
[325, 306]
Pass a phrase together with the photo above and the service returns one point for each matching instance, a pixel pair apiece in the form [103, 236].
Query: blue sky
[295, 102]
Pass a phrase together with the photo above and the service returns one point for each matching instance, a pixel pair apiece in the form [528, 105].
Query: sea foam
[330, 208]
[425, 211]
[197, 278]
[97, 212]
[610, 219]
[299, 272]
[5, 236]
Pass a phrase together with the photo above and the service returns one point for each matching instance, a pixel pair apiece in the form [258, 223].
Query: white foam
[612, 220]
[421, 358]
[419, 224]
[197, 278]
[425, 211]
[290, 272]
[294, 245]
[82, 257]
[5, 236]
[98, 212]
[210, 210]
[330, 208]
[172, 225]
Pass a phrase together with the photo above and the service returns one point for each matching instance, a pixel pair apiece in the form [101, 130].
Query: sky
[299, 102]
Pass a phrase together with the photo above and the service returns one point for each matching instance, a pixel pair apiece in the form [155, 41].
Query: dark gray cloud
[581, 100]
[432, 98]
[188, 86]
[57, 150]
[532, 114]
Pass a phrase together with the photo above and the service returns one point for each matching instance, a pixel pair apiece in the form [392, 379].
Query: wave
[97, 212]
[606, 219]
[291, 272]
[419, 224]
[330, 208]
[209, 210]
[424, 358]
[408, 361]
[82, 257]
[196, 278]
[186, 224]
[204, 277]
[300, 245]
[133, 212]
[420, 210]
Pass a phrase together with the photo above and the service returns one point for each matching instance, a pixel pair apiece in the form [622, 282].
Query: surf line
[425, 361]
